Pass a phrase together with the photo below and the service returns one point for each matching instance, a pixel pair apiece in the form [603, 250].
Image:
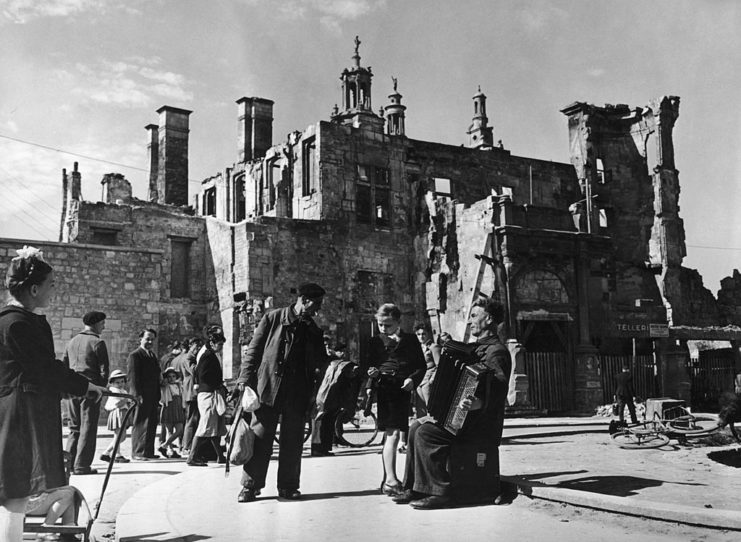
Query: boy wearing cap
[87, 355]
[282, 365]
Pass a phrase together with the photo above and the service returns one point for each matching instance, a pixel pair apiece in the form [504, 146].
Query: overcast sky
[86, 76]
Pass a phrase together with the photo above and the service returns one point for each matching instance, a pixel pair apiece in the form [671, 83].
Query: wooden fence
[711, 375]
[551, 379]
[643, 369]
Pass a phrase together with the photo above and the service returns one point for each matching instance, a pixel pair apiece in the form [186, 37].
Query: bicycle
[658, 431]
[307, 431]
[356, 430]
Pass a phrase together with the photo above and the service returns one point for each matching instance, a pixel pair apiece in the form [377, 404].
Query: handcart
[85, 517]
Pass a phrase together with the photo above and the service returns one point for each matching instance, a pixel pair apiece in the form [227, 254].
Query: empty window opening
[104, 237]
[209, 201]
[308, 157]
[441, 185]
[373, 196]
[179, 267]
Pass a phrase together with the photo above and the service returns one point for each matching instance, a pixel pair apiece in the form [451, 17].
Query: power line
[43, 216]
[713, 248]
[55, 149]
[30, 222]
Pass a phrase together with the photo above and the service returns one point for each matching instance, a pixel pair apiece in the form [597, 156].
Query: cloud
[330, 12]
[11, 125]
[129, 83]
[537, 16]
[24, 11]
[597, 72]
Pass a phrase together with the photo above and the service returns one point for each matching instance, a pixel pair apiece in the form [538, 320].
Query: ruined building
[586, 256]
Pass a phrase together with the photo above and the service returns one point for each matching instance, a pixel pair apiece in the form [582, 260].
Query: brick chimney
[115, 188]
[254, 128]
[172, 166]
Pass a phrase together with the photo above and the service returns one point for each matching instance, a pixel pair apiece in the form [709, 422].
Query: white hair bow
[27, 252]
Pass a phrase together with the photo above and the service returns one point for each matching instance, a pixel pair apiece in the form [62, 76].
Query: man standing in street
[624, 394]
[428, 480]
[185, 364]
[87, 355]
[144, 384]
[282, 365]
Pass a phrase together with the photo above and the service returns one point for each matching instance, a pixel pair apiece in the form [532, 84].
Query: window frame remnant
[373, 196]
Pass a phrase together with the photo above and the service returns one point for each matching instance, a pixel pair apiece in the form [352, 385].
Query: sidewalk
[568, 460]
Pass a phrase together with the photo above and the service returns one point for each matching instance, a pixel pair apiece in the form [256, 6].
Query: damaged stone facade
[578, 252]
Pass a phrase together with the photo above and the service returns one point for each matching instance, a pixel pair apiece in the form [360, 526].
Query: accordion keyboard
[466, 386]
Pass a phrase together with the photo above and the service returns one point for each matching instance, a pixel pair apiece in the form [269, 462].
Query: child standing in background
[116, 407]
[172, 414]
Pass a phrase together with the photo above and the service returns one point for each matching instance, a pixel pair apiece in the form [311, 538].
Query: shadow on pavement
[514, 441]
[130, 472]
[320, 496]
[619, 486]
[730, 458]
[155, 537]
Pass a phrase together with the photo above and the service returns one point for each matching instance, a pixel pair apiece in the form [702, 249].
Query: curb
[691, 515]
[137, 511]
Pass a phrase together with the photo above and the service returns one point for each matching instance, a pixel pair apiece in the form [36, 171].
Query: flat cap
[93, 317]
[311, 290]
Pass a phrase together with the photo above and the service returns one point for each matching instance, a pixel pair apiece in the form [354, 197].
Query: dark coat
[144, 375]
[185, 364]
[31, 380]
[487, 423]
[406, 358]
[624, 386]
[208, 374]
[271, 345]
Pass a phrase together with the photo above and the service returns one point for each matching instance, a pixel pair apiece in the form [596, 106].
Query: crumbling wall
[475, 173]
[624, 159]
[729, 299]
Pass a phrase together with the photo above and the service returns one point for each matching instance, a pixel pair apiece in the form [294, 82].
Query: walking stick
[121, 431]
[230, 435]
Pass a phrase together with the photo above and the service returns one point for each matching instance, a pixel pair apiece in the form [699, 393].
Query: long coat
[144, 375]
[271, 345]
[487, 423]
[31, 380]
[185, 363]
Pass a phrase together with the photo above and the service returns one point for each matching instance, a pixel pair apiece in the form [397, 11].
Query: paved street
[564, 460]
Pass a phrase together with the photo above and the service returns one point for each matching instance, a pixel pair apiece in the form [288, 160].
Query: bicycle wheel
[639, 440]
[307, 432]
[358, 431]
[693, 426]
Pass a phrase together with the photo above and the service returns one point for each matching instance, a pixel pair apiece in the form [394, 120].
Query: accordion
[458, 375]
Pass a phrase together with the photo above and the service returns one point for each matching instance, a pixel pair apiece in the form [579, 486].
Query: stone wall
[123, 282]
[145, 224]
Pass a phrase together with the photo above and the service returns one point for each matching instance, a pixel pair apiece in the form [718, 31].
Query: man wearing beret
[87, 355]
[282, 364]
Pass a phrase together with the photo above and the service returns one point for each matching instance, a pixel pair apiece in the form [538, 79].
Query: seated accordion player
[458, 375]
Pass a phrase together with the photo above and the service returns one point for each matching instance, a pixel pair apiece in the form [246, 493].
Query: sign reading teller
[641, 329]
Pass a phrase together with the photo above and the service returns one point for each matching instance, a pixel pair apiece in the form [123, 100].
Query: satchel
[242, 443]
[250, 401]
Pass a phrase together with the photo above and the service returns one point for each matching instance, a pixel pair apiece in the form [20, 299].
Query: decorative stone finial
[395, 81]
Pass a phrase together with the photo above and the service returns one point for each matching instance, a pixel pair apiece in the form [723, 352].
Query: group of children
[172, 413]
